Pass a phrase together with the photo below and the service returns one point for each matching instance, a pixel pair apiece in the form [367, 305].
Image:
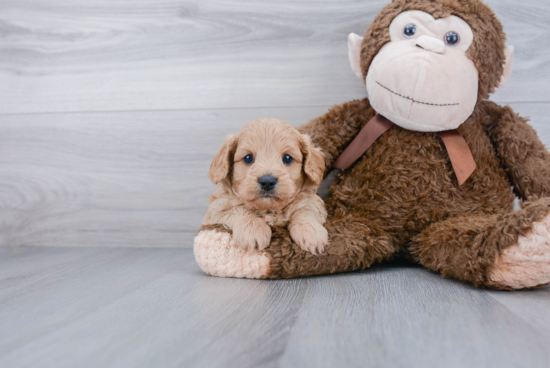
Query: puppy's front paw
[310, 236]
[254, 234]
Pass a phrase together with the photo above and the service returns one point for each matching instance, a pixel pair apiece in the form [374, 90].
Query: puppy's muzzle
[267, 183]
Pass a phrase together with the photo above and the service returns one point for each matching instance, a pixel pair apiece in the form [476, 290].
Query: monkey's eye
[410, 30]
[248, 159]
[287, 159]
[452, 38]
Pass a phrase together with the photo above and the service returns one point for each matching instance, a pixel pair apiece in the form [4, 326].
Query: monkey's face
[423, 79]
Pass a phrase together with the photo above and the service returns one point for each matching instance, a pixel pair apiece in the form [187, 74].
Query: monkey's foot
[526, 264]
[218, 255]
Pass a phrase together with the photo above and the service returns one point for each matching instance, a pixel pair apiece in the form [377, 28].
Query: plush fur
[239, 201]
[402, 196]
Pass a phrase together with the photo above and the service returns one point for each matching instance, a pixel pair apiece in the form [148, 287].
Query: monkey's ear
[314, 160]
[508, 65]
[354, 53]
[221, 164]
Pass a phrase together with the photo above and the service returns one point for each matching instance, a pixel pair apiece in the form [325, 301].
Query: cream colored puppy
[268, 175]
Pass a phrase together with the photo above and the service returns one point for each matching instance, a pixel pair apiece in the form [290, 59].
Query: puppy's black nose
[267, 182]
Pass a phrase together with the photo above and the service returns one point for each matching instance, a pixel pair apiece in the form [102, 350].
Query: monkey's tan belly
[410, 191]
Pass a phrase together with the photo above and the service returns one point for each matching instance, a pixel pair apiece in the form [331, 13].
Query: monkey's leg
[510, 251]
[353, 245]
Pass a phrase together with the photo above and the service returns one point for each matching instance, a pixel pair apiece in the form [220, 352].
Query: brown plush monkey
[429, 66]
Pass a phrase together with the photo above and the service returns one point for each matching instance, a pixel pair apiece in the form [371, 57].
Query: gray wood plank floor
[106, 307]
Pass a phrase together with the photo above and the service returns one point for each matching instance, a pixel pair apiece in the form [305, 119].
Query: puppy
[268, 175]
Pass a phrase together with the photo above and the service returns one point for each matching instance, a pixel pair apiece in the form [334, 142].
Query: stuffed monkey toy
[429, 167]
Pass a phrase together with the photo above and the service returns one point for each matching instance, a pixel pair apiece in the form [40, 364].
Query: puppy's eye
[452, 38]
[248, 159]
[287, 159]
[410, 30]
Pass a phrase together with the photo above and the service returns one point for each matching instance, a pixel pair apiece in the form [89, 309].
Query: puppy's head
[268, 163]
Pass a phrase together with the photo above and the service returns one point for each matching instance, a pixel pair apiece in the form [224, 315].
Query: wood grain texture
[119, 55]
[113, 179]
[154, 308]
[112, 110]
[130, 179]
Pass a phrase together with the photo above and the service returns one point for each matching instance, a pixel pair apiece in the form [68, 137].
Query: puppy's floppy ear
[314, 160]
[221, 164]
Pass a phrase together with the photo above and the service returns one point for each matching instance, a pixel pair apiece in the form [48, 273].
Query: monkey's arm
[333, 131]
[522, 154]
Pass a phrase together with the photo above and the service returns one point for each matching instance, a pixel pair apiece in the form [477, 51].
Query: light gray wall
[111, 110]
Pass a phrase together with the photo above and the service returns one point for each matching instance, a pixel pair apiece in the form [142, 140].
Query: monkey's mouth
[413, 100]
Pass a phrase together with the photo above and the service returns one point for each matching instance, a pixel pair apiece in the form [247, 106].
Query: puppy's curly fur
[269, 147]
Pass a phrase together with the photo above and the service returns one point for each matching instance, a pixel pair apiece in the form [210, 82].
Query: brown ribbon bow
[461, 157]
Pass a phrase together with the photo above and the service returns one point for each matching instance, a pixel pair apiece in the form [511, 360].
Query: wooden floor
[109, 307]
[110, 112]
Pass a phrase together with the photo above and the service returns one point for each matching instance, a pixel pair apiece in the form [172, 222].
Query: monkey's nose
[431, 44]
[267, 182]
